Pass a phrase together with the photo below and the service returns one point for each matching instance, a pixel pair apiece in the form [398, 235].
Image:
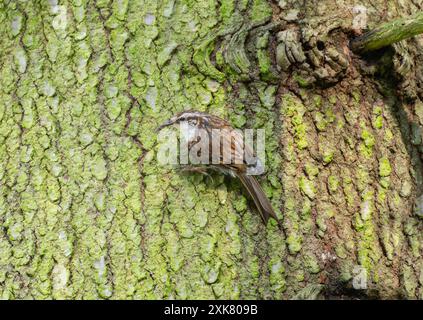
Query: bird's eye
[192, 122]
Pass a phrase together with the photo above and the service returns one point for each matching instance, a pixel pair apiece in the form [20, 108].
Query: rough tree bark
[85, 210]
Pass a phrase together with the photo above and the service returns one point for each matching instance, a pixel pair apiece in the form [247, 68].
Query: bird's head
[191, 117]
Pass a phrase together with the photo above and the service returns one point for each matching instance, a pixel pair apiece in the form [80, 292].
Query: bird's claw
[193, 169]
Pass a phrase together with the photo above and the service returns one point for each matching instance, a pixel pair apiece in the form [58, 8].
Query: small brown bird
[194, 122]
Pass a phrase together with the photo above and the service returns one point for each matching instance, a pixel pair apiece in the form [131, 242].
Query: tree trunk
[87, 212]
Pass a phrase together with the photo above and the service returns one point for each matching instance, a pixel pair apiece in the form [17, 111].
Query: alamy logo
[60, 21]
[360, 278]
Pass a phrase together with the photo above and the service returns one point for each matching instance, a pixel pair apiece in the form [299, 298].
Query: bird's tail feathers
[260, 199]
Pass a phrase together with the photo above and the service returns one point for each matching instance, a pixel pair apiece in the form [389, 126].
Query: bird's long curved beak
[165, 124]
